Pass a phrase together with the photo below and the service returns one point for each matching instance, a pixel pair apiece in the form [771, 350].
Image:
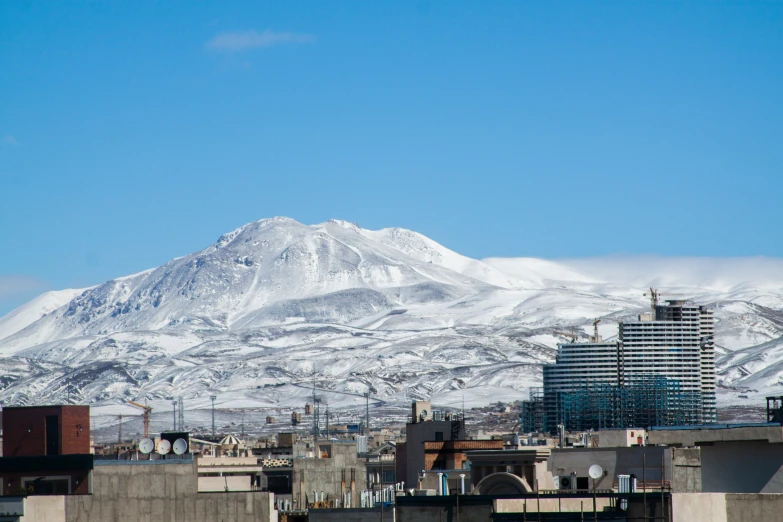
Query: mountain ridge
[274, 304]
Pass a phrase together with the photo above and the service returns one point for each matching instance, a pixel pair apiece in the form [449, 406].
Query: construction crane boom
[569, 335]
[655, 296]
[145, 416]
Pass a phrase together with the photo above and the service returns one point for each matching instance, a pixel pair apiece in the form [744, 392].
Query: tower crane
[596, 337]
[145, 416]
[655, 296]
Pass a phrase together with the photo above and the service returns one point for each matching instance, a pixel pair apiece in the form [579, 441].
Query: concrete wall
[753, 508]
[44, 509]
[698, 507]
[471, 513]
[224, 483]
[686, 470]
[622, 438]
[694, 437]
[742, 467]
[350, 515]
[154, 492]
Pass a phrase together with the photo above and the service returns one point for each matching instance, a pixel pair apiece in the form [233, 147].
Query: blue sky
[134, 132]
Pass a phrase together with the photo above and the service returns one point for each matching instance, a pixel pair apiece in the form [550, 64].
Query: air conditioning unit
[565, 482]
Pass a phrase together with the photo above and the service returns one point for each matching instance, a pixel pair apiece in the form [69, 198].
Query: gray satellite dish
[164, 447]
[180, 446]
[146, 446]
[595, 472]
[423, 414]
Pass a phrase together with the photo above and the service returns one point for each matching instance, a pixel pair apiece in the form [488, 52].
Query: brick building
[451, 454]
[46, 450]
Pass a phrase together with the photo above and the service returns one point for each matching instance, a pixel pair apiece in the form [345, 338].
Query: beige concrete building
[151, 491]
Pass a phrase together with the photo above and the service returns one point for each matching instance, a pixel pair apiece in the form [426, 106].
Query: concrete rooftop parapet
[686, 436]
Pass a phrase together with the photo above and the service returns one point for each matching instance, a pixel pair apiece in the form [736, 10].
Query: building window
[438, 436]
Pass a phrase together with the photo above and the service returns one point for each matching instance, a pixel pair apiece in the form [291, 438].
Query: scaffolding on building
[649, 400]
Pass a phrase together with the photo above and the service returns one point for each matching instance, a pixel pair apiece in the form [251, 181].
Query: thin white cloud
[9, 140]
[237, 41]
[17, 284]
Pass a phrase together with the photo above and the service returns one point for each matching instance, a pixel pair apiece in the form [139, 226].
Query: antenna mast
[213, 397]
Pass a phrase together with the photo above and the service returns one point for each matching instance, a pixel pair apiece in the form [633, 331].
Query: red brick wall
[452, 452]
[24, 430]
[75, 430]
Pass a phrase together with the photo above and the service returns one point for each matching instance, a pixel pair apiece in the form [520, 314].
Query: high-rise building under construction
[660, 371]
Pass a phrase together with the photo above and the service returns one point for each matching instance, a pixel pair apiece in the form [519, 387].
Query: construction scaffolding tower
[650, 400]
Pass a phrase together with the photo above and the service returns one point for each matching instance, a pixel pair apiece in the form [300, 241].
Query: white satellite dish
[164, 446]
[146, 446]
[180, 446]
[595, 472]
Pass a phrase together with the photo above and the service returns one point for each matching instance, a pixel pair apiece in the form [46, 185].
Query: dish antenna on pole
[180, 446]
[595, 472]
[164, 446]
[146, 446]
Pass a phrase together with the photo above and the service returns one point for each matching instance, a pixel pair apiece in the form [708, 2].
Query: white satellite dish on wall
[164, 446]
[180, 446]
[595, 472]
[146, 446]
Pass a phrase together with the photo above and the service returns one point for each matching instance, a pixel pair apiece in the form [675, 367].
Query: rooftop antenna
[181, 414]
[174, 404]
[119, 435]
[213, 397]
[367, 413]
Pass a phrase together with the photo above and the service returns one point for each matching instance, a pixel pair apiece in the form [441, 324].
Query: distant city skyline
[134, 133]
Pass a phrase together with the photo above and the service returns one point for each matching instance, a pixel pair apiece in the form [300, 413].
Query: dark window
[48, 487]
[439, 464]
[438, 436]
[52, 435]
[582, 483]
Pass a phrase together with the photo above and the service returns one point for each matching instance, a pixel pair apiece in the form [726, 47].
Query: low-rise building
[46, 450]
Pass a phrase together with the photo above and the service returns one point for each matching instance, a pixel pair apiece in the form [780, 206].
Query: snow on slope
[33, 310]
[274, 306]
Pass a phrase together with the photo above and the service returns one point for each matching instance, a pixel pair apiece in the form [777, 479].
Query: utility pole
[213, 397]
[367, 414]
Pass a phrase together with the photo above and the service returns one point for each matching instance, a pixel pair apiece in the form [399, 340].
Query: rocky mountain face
[276, 307]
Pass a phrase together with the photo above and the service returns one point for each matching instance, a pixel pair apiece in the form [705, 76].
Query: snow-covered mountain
[275, 307]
